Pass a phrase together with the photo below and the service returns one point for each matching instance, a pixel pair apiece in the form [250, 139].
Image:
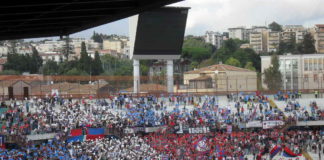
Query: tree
[249, 66]
[9, 72]
[288, 46]
[76, 72]
[18, 62]
[115, 66]
[85, 60]
[273, 77]
[96, 37]
[307, 46]
[274, 26]
[96, 65]
[233, 62]
[194, 65]
[66, 66]
[196, 49]
[36, 61]
[50, 68]
[124, 70]
[144, 68]
[227, 50]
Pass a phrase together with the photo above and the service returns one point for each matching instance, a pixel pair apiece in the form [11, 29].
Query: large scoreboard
[158, 34]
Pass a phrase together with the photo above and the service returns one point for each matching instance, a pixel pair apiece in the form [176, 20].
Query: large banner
[272, 124]
[199, 130]
[254, 124]
[154, 129]
[41, 136]
[134, 130]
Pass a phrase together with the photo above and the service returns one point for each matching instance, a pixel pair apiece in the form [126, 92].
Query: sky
[218, 15]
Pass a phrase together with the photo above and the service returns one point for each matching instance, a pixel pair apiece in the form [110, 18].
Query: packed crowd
[232, 146]
[129, 147]
[38, 116]
[48, 115]
[219, 145]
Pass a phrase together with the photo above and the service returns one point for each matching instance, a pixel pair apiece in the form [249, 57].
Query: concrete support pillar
[170, 76]
[136, 75]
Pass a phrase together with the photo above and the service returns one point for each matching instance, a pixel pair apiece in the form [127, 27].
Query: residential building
[159, 68]
[298, 71]
[273, 41]
[54, 56]
[247, 33]
[292, 28]
[2, 62]
[49, 46]
[259, 29]
[287, 36]
[256, 42]
[113, 44]
[300, 36]
[90, 44]
[214, 38]
[126, 51]
[237, 33]
[219, 78]
[225, 35]
[4, 51]
[319, 38]
[297, 31]
[24, 50]
[245, 45]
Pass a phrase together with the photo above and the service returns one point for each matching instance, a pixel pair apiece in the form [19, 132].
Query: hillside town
[190, 80]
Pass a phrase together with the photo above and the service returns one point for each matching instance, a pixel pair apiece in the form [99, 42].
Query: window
[310, 63]
[306, 64]
[315, 77]
[320, 64]
[305, 78]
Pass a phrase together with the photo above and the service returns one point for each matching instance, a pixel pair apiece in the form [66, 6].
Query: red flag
[76, 132]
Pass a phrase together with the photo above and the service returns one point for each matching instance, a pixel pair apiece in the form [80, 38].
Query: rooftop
[320, 25]
[218, 67]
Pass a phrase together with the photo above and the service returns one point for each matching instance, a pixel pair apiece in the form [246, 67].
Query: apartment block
[237, 33]
[273, 41]
[319, 38]
[112, 44]
[214, 38]
[256, 42]
[293, 31]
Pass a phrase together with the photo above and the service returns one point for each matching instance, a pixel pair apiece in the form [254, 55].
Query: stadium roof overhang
[45, 18]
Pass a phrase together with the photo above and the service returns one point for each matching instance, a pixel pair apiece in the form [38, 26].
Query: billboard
[158, 34]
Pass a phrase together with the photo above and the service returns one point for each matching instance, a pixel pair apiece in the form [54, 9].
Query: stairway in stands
[274, 105]
[306, 155]
[287, 126]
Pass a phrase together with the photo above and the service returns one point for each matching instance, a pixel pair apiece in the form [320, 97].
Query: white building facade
[214, 38]
[237, 33]
[299, 72]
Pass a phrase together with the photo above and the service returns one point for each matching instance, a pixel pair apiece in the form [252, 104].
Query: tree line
[17, 64]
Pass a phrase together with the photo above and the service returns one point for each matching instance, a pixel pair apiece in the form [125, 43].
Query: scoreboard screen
[160, 33]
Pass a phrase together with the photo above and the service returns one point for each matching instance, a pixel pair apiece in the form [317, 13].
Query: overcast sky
[218, 15]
